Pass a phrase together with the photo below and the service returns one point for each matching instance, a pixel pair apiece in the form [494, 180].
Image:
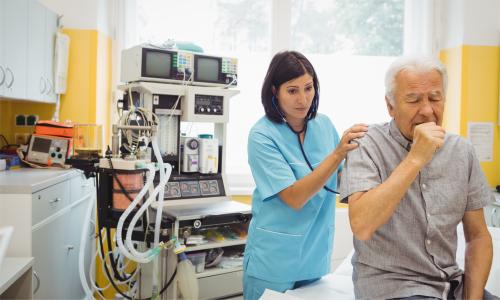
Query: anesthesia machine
[167, 228]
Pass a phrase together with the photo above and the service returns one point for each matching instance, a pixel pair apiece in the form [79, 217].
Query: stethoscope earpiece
[277, 109]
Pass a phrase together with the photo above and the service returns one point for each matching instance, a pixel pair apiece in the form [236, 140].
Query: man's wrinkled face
[419, 98]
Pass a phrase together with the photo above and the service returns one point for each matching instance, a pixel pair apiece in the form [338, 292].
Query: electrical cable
[4, 139]
[106, 270]
[112, 259]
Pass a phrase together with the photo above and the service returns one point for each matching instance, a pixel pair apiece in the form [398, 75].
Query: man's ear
[390, 106]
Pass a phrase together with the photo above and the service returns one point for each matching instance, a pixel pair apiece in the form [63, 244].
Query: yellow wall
[10, 108]
[452, 58]
[473, 95]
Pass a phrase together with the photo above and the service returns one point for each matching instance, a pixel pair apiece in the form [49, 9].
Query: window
[350, 43]
[238, 29]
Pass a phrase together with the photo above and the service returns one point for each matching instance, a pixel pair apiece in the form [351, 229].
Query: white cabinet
[26, 52]
[492, 212]
[36, 55]
[15, 45]
[56, 238]
[51, 258]
[2, 66]
[49, 49]
[47, 210]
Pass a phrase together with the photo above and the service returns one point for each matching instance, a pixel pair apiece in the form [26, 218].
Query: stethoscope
[300, 143]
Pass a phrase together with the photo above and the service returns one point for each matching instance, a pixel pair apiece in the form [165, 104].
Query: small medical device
[209, 154]
[190, 157]
[49, 150]
[146, 63]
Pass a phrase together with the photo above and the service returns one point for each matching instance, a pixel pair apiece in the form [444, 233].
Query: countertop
[13, 268]
[28, 180]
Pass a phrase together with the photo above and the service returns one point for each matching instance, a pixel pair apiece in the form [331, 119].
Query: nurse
[294, 154]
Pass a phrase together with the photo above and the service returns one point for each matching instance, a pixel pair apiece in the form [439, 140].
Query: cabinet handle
[49, 83]
[70, 247]
[55, 200]
[42, 82]
[35, 274]
[11, 75]
[3, 75]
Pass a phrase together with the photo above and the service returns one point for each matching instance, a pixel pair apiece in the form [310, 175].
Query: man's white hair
[420, 64]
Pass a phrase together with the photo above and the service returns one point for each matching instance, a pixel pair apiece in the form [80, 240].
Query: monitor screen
[207, 69]
[41, 145]
[158, 64]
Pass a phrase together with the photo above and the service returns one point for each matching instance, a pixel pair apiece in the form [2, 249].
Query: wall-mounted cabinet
[2, 68]
[27, 31]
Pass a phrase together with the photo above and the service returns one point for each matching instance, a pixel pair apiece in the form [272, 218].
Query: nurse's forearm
[297, 195]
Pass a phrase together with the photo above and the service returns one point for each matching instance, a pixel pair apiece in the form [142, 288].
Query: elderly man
[409, 184]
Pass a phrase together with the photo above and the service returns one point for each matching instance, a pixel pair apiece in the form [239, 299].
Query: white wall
[83, 14]
[469, 22]
[482, 22]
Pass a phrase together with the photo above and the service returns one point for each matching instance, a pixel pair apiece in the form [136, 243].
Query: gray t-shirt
[414, 253]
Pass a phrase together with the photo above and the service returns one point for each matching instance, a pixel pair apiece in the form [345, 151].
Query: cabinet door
[15, 33]
[36, 84]
[73, 287]
[50, 36]
[2, 43]
[52, 258]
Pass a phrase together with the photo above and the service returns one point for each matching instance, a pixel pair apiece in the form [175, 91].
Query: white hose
[83, 244]
[133, 222]
[164, 176]
[165, 171]
[130, 208]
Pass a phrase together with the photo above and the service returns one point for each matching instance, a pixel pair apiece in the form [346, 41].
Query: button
[53, 154]
[424, 186]
[428, 215]
[208, 109]
[428, 242]
[59, 155]
[58, 149]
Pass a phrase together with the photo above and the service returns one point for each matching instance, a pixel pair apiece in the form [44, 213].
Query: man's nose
[426, 108]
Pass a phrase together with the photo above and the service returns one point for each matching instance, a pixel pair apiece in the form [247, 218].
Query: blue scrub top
[283, 244]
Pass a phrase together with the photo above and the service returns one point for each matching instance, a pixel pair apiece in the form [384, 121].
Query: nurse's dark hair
[285, 66]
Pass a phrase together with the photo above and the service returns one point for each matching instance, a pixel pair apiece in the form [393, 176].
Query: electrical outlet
[21, 138]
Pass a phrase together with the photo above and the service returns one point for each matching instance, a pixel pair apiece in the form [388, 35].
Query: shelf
[211, 245]
[217, 271]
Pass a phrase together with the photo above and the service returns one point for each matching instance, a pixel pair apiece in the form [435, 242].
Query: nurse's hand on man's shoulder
[348, 140]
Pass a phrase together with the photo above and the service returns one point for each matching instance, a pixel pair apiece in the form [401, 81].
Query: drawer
[49, 201]
[81, 187]
[219, 286]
